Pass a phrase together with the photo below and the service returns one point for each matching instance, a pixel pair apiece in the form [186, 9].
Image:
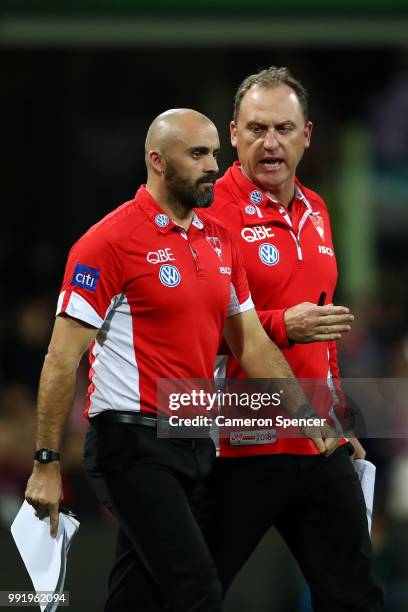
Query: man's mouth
[208, 181]
[271, 163]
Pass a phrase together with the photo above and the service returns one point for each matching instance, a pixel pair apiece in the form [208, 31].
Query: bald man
[150, 289]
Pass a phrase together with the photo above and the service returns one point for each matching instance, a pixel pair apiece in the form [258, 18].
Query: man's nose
[211, 164]
[270, 140]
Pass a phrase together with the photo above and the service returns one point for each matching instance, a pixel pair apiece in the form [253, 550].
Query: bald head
[181, 151]
[171, 126]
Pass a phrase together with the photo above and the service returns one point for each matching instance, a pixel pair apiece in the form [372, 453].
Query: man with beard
[283, 232]
[151, 288]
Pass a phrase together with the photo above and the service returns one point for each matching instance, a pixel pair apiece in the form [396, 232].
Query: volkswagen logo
[162, 220]
[256, 196]
[169, 276]
[268, 254]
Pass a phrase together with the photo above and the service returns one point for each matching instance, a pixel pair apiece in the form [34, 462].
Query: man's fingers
[331, 329]
[335, 319]
[319, 444]
[330, 445]
[54, 519]
[329, 309]
[40, 511]
[359, 452]
[325, 337]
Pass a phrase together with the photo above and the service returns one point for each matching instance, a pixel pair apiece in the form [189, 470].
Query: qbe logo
[268, 254]
[162, 220]
[85, 277]
[169, 276]
[256, 196]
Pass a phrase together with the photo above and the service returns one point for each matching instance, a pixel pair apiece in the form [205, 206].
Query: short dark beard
[187, 193]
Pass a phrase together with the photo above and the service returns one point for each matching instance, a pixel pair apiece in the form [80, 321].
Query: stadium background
[81, 81]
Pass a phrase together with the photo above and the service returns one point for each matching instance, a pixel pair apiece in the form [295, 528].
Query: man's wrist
[46, 456]
[306, 411]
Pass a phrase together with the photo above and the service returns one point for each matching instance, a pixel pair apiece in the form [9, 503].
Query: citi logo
[85, 277]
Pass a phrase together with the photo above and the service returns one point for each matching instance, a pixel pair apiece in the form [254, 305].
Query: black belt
[129, 418]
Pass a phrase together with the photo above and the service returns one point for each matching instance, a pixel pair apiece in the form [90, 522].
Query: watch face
[43, 456]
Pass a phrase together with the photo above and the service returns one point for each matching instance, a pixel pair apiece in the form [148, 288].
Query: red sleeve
[93, 277]
[274, 324]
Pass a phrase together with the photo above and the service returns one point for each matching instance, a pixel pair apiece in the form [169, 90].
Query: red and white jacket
[289, 258]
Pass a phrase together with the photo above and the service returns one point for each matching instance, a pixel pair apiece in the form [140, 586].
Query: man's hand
[307, 322]
[330, 443]
[44, 492]
[324, 438]
[359, 452]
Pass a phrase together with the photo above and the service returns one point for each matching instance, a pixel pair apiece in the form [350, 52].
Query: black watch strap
[45, 455]
[306, 411]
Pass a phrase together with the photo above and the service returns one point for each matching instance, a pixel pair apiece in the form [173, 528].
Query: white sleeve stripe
[60, 302]
[79, 308]
[247, 305]
[234, 307]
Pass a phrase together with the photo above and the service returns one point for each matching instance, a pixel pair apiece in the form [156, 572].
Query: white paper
[44, 557]
[366, 473]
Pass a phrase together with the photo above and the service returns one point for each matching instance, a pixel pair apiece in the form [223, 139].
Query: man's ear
[233, 132]
[156, 161]
[308, 134]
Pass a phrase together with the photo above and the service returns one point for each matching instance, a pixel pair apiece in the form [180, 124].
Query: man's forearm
[275, 369]
[55, 397]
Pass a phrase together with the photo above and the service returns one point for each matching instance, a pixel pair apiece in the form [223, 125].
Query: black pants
[317, 505]
[155, 488]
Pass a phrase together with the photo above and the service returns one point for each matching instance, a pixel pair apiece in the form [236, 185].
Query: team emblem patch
[250, 210]
[216, 245]
[162, 220]
[85, 277]
[319, 225]
[256, 196]
[169, 276]
[268, 254]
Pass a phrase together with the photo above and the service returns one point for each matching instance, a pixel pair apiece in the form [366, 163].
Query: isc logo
[259, 232]
[326, 250]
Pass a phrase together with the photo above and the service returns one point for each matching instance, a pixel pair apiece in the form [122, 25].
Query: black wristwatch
[45, 455]
[306, 411]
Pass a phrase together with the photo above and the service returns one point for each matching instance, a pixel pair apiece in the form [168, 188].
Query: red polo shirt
[289, 258]
[159, 296]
